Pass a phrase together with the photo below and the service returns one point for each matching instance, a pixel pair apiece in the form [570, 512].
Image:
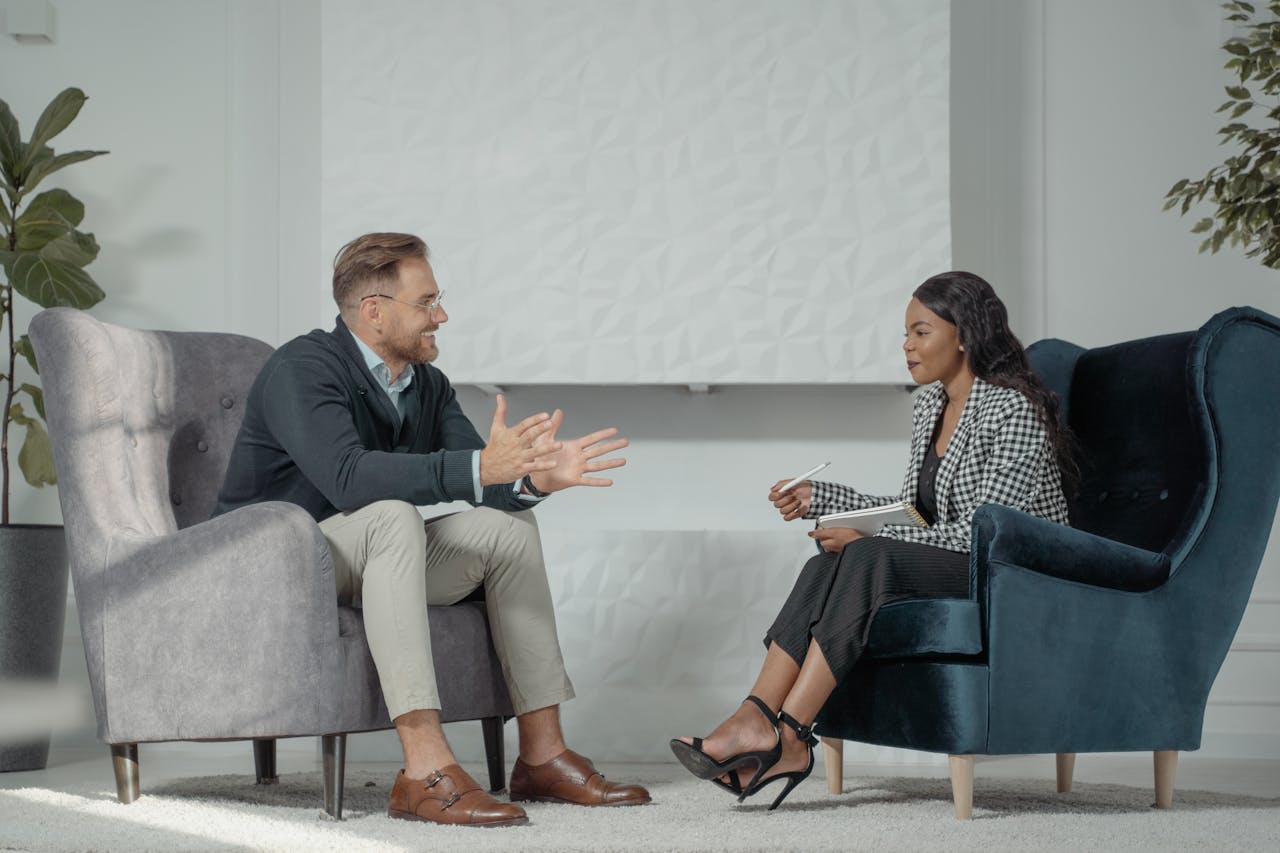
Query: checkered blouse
[999, 453]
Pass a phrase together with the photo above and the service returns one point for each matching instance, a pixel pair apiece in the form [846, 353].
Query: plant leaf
[22, 346]
[49, 282]
[1236, 48]
[1240, 93]
[76, 248]
[37, 397]
[7, 259]
[36, 456]
[1202, 226]
[62, 110]
[60, 201]
[10, 142]
[1241, 108]
[43, 168]
[41, 230]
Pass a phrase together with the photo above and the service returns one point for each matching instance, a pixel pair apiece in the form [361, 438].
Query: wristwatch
[532, 489]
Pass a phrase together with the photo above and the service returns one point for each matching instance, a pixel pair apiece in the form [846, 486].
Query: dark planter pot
[33, 604]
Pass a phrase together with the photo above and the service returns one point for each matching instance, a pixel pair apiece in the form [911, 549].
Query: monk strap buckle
[434, 778]
[453, 798]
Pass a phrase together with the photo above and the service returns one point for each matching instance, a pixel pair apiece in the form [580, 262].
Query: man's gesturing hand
[513, 452]
[577, 458]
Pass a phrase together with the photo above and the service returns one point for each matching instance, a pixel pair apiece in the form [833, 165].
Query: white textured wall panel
[663, 631]
[644, 192]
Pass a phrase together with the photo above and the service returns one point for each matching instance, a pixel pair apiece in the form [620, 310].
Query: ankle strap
[804, 733]
[764, 709]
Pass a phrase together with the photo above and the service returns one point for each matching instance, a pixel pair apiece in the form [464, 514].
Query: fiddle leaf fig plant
[1246, 187]
[43, 255]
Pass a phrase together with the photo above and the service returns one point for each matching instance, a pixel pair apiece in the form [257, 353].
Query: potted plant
[42, 255]
[1246, 187]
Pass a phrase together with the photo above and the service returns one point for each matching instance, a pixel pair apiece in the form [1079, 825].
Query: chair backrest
[1178, 436]
[1141, 461]
[142, 423]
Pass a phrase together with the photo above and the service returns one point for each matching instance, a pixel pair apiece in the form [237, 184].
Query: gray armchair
[212, 629]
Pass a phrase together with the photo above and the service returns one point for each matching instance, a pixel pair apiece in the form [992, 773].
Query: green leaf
[49, 282]
[61, 202]
[62, 110]
[1240, 93]
[44, 167]
[36, 456]
[10, 142]
[1177, 188]
[22, 346]
[34, 235]
[1202, 226]
[1241, 108]
[76, 248]
[5, 219]
[37, 397]
[1236, 48]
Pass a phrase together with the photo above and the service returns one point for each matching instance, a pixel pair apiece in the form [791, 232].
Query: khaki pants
[387, 562]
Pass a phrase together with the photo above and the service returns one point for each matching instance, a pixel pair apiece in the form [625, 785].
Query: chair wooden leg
[124, 760]
[494, 751]
[333, 750]
[1166, 762]
[264, 761]
[1066, 767]
[962, 785]
[833, 760]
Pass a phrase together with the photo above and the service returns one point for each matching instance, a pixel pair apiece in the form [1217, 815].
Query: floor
[165, 762]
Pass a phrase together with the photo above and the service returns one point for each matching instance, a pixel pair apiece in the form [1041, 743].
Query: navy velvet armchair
[212, 629]
[1107, 635]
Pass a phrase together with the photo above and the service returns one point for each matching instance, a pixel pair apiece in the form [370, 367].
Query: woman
[984, 430]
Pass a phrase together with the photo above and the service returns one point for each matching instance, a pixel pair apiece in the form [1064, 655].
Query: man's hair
[369, 263]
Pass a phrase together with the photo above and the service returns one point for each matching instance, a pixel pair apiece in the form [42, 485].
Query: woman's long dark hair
[996, 355]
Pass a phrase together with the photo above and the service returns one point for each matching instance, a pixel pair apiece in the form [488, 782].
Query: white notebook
[869, 521]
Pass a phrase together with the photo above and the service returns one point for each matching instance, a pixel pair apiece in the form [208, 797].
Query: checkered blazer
[999, 453]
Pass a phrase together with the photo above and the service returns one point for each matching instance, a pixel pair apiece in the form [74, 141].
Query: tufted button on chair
[212, 629]
[1107, 635]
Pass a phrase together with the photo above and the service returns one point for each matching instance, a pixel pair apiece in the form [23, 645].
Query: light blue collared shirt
[394, 389]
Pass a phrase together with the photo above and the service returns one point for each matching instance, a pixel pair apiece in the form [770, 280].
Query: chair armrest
[206, 629]
[1004, 535]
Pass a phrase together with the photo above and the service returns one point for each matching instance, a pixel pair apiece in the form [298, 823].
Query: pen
[806, 475]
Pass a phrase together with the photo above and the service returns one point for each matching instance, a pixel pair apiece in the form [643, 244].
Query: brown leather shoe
[571, 778]
[449, 795]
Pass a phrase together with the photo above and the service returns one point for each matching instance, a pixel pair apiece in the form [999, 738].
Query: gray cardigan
[318, 432]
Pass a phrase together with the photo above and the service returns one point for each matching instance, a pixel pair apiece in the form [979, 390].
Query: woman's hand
[834, 539]
[794, 502]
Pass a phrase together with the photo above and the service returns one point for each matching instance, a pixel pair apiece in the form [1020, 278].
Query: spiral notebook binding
[914, 514]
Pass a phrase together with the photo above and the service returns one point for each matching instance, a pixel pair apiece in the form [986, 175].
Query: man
[358, 428]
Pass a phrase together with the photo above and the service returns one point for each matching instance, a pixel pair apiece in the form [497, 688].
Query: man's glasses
[430, 307]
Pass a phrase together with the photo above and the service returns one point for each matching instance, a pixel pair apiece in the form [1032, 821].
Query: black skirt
[837, 596]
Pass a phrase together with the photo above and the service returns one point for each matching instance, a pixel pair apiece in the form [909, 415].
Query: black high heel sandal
[794, 777]
[704, 766]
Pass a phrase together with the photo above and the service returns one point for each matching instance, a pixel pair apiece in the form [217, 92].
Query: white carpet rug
[232, 813]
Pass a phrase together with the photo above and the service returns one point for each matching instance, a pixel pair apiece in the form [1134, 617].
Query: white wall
[1070, 120]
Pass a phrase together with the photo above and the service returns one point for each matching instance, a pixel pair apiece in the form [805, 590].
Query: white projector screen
[649, 191]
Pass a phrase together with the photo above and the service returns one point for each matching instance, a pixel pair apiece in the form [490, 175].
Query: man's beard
[417, 352]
